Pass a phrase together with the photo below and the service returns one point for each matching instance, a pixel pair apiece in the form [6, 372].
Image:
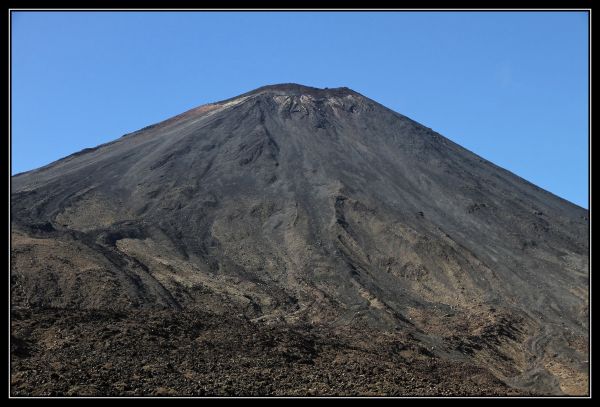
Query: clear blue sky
[511, 86]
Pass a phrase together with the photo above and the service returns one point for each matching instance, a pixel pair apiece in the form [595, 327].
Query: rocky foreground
[58, 352]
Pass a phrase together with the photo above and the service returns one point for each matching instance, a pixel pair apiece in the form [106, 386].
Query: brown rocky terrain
[294, 241]
[167, 353]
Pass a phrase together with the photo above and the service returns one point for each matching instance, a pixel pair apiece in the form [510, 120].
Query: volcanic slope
[292, 206]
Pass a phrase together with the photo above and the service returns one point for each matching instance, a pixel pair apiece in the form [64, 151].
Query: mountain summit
[291, 206]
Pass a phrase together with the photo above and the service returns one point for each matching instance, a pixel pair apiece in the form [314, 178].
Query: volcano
[294, 241]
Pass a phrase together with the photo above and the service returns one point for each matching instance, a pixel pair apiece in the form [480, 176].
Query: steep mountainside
[291, 206]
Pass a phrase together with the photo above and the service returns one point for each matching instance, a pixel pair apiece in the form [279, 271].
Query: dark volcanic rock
[300, 210]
